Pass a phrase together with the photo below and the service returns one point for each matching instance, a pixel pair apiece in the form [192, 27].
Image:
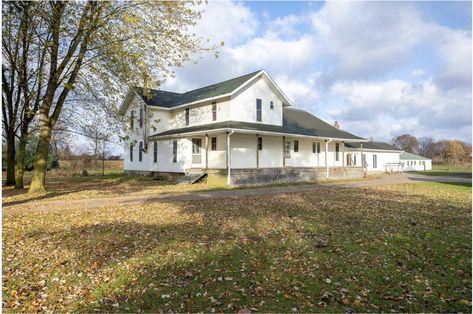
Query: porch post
[362, 159]
[283, 151]
[257, 151]
[229, 158]
[206, 151]
[326, 159]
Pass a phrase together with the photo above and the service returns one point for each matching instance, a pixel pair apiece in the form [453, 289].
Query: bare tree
[406, 142]
[424, 145]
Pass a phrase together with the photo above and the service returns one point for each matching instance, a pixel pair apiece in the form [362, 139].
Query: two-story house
[243, 130]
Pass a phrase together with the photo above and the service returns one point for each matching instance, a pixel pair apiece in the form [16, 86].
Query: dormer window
[258, 110]
[271, 105]
[187, 116]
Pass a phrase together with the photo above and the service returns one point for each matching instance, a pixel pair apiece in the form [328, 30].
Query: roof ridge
[231, 79]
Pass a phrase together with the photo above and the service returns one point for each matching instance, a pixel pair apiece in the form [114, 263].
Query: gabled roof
[374, 145]
[170, 100]
[410, 156]
[295, 122]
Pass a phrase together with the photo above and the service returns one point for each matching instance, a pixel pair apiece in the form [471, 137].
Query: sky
[381, 69]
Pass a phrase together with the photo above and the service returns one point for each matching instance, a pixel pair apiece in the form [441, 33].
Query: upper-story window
[258, 110]
[271, 105]
[141, 117]
[337, 151]
[132, 119]
[296, 146]
[214, 111]
[187, 116]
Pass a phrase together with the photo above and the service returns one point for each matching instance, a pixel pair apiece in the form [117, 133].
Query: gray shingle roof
[409, 156]
[169, 99]
[374, 145]
[295, 121]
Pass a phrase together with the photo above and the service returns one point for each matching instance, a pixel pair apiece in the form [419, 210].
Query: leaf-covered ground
[71, 188]
[403, 248]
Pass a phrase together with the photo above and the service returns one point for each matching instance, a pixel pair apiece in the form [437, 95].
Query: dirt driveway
[235, 193]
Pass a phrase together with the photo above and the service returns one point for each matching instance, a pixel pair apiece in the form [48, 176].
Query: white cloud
[387, 108]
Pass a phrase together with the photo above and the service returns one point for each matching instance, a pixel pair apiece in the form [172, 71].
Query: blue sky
[380, 68]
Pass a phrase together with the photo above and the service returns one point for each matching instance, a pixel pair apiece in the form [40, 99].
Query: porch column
[229, 157]
[362, 159]
[257, 151]
[326, 158]
[283, 151]
[206, 151]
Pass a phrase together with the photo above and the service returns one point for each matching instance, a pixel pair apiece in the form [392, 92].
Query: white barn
[412, 162]
[240, 131]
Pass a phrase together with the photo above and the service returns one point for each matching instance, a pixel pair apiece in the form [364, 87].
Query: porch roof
[296, 122]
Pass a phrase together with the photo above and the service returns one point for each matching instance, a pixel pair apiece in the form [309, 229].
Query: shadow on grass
[274, 253]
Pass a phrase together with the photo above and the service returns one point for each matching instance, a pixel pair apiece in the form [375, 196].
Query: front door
[196, 152]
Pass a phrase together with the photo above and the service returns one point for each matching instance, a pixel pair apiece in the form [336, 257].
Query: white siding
[243, 103]
[383, 158]
[200, 114]
[272, 153]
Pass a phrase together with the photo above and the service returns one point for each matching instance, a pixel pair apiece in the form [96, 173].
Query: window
[287, 149]
[187, 116]
[155, 151]
[141, 117]
[354, 160]
[349, 159]
[258, 110]
[214, 111]
[140, 152]
[375, 161]
[363, 160]
[260, 143]
[131, 152]
[213, 144]
[337, 151]
[132, 119]
[296, 146]
[314, 149]
[271, 105]
[174, 151]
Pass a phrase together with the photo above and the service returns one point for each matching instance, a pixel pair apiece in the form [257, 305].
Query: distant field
[75, 167]
[441, 170]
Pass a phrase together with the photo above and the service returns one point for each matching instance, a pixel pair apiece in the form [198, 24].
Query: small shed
[412, 162]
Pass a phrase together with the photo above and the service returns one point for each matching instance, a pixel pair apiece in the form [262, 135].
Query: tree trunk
[10, 158]
[41, 159]
[20, 161]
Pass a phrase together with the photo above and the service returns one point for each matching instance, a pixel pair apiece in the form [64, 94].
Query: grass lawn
[402, 248]
[443, 170]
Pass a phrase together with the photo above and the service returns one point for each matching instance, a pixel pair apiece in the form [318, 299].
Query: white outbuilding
[412, 162]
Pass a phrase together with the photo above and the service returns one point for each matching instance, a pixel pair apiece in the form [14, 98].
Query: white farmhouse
[411, 162]
[240, 131]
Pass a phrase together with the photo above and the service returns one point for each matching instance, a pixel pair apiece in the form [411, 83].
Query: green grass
[402, 248]
[444, 170]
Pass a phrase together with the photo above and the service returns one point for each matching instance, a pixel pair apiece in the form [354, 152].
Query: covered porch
[250, 157]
